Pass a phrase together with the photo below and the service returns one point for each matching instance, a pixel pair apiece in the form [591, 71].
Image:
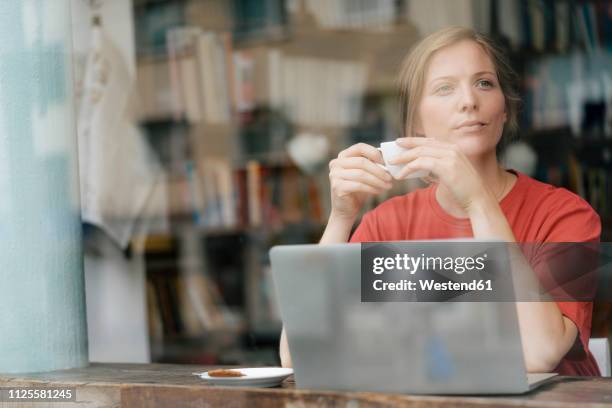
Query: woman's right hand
[354, 175]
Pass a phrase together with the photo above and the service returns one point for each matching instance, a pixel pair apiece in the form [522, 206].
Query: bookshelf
[225, 86]
[241, 140]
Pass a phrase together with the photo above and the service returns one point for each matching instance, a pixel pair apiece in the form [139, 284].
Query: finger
[363, 164]
[363, 150]
[363, 177]
[429, 179]
[422, 163]
[419, 151]
[409, 142]
[346, 187]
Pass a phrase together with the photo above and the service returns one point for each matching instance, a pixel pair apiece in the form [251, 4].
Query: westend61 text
[429, 285]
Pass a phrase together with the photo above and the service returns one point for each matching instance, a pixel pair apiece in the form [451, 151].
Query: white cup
[389, 151]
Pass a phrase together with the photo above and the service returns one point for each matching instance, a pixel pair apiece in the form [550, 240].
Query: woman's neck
[497, 180]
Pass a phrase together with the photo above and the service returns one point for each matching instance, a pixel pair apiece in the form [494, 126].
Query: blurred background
[205, 129]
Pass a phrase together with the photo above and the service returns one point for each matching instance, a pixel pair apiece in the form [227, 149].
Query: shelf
[185, 221]
[164, 120]
[275, 159]
[216, 347]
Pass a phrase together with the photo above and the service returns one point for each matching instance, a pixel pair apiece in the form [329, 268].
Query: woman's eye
[483, 83]
[444, 89]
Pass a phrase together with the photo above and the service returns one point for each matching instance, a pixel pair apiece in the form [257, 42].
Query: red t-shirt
[537, 212]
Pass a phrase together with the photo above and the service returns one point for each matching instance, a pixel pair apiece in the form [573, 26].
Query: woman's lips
[472, 128]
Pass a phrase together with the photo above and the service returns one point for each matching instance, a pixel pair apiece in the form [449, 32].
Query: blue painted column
[42, 299]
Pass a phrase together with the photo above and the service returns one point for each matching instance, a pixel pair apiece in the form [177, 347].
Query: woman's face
[462, 101]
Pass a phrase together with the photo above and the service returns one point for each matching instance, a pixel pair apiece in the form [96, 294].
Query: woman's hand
[354, 175]
[448, 165]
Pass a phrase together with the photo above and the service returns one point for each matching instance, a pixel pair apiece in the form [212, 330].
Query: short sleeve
[365, 231]
[570, 220]
[580, 313]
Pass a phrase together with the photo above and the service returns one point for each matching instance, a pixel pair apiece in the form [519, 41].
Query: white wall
[115, 285]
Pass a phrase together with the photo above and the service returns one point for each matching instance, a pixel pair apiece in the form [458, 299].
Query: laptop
[338, 342]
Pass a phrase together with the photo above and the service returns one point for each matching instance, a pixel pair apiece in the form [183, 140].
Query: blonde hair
[415, 64]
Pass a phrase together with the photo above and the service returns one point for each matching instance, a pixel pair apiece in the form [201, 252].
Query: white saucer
[253, 377]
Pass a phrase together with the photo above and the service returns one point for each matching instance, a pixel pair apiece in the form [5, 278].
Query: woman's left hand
[447, 163]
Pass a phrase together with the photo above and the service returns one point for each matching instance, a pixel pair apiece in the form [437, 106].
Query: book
[244, 87]
[196, 194]
[306, 102]
[374, 15]
[176, 87]
[190, 83]
[201, 301]
[253, 193]
[210, 52]
[266, 19]
[218, 194]
[181, 43]
[156, 328]
[562, 27]
[575, 176]
[195, 320]
[155, 90]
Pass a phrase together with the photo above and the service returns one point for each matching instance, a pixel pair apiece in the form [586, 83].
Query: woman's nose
[469, 101]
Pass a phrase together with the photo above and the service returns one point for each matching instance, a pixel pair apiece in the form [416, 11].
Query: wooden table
[168, 385]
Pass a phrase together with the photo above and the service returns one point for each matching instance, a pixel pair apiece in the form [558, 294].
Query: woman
[456, 91]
